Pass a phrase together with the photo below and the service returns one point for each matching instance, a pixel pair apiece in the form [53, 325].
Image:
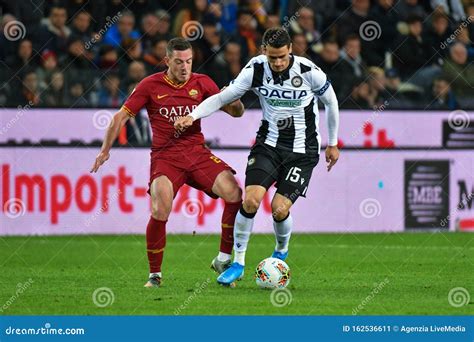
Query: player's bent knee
[280, 214]
[251, 204]
[232, 194]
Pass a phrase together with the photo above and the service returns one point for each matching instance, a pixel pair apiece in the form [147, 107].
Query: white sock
[283, 233]
[223, 257]
[154, 275]
[242, 230]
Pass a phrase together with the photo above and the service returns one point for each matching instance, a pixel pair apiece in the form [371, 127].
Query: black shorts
[289, 170]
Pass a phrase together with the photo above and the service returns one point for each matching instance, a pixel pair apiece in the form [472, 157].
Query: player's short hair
[177, 44]
[276, 37]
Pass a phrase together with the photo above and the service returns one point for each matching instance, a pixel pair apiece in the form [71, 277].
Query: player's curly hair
[177, 44]
[276, 37]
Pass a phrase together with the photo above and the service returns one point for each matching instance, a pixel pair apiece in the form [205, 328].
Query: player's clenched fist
[101, 158]
[182, 123]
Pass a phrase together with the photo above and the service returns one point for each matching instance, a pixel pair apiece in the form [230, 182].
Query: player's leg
[162, 193]
[293, 182]
[259, 177]
[225, 186]
[282, 225]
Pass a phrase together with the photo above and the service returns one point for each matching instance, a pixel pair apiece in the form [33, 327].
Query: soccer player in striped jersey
[288, 142]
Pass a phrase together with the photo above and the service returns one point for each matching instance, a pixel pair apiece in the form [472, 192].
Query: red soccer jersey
[166, 101]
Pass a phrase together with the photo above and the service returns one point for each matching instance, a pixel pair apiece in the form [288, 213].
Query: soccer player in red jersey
[178, 158]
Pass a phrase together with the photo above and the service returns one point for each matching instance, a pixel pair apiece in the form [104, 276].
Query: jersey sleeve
[209, 87]
[137, 99]
[319, 81]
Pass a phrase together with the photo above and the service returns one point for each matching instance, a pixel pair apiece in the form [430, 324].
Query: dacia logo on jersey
[282, 98]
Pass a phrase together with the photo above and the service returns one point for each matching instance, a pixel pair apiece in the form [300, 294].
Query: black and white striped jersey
[289, 102]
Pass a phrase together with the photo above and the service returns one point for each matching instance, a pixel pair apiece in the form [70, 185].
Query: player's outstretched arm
[118, 121]
[331, 105]
[235, 109]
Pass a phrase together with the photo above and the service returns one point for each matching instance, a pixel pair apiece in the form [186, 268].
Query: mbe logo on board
[426, 193]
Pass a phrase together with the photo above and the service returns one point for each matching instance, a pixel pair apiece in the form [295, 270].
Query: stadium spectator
[442, 96]
[377, 83]
[412, 53]
[195, 12]
[135, 73]
[228, 19]
[24, 57]
[305, 25]
[163, 25]
[81, 26]
[387, 18]
[225, 69]
[78, 57]
[8, 48]
[207, 48]
[339, 71]
[324, 11]
[272, 20]
[299, 46]
[408, 8]
[351, 54]
[438, 33]
[132, 51]
[49, 65]
[247, 35]
[351, 20]
[360, 97]
[29, 91]
[453, 8]
[464, 38]
[155, 59]
[76, 96]
[122, 30]
[55, 33]
[108, 58]
[459, 72]
[55, 93]
[110, 94]
[149, 30]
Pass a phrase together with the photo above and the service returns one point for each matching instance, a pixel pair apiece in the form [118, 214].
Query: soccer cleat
[230, 275]
[280, 255]
[220, 266]
[154, 281]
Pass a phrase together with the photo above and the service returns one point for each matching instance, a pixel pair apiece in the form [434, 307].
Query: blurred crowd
[409, 54]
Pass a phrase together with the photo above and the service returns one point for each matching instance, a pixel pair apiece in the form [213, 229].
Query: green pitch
[332, 274]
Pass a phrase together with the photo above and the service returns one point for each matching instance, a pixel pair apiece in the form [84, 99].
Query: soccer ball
[272, 273]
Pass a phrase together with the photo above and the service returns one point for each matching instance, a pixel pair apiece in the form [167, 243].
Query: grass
[332, 274]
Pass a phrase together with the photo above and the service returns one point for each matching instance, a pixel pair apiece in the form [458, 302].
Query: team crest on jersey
[296, 81]
[193, 93]
[251, 161]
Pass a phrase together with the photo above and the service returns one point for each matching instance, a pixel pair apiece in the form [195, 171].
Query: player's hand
[182, 123]
[332, 155]
[101, 158]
